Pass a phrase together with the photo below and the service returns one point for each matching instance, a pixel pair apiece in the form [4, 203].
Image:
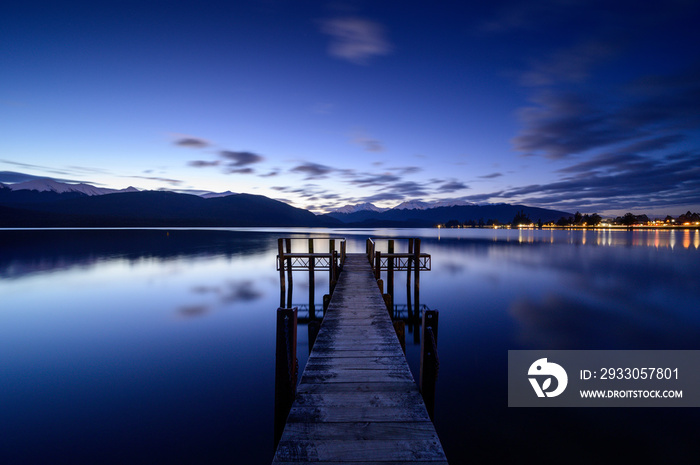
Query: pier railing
[311, 261]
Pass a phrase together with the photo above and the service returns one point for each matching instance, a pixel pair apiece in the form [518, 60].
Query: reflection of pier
[357, 400]
[399, 312]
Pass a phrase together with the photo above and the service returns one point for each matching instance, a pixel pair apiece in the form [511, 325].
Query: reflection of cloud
[355, 39]
[193, 310]
[241, 292]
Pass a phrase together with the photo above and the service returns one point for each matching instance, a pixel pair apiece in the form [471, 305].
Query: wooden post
[429, 361]
[280, 255]
[312, 287]
[400, 328]
[331, 267]
[388, 301]
[314, 327]
[326, 302]
[416, 284]
[288, 242]
[286, 367]
[343, 252]
[336, 271]
[378, 265]
[408, 279]
[390, 271]
[380, 283]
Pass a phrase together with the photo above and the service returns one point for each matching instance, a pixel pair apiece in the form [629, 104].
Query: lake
[155, 345]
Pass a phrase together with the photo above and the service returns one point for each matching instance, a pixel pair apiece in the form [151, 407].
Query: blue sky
[574, 105]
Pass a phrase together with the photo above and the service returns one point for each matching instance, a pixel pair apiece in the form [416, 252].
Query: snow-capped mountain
[359, 208]
[49, 185]
[412, 205]
[420, 205]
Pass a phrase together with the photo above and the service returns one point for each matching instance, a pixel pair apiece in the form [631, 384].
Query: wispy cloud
[491, 176]
[452, 186]
[571, 65]
[172, 182]
[192, 142]
[240, 158]
[356, 40]
[313, 170]
[368, 143]
[203, 163]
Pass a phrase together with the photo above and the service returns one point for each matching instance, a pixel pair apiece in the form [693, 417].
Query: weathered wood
[288, 242]
[312, 287]
[286, 366]
[390, 271]
[408, 280]
[357, 400]
[429, 361]
[280, 257]
[400, 328]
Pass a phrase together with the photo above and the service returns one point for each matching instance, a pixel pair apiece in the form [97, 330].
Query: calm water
[147, 346]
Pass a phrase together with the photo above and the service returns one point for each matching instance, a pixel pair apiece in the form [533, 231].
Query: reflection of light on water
[696, 242]
[672, 239]
[583, 237]
[686, 239]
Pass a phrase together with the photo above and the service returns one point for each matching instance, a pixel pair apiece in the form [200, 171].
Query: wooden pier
[357, 400]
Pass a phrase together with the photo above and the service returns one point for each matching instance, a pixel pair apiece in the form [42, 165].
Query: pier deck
[357, 400]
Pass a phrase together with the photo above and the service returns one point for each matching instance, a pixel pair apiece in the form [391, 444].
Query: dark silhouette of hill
[149, 208]
[503, 213]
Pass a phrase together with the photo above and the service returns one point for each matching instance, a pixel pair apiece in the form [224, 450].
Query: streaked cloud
[490, 176]
[192, 142]
[203, 163]
[368, 143]
[356, 40]
[312, 170]
[452, 186]
[240, 158]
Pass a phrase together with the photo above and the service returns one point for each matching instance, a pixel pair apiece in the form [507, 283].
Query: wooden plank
[368, 450]
[362, 431]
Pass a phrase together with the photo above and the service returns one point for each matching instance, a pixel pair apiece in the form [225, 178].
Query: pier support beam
[286, 367]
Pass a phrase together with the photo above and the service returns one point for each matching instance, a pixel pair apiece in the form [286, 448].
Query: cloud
[572, 65]
[192, 142]
[368, 143]
[355, 39]
[620, 182]
[491, 176]
[173, 182]
[203, 163]
[240, 158]
[526, 16]
[452, 186]
[241, 171]
[313, 170]
[270, 174]
[13, 176]
[369, 180]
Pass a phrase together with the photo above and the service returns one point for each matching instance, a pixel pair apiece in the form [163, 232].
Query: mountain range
[49, 203]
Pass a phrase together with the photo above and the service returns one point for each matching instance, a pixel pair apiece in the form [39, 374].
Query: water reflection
[24, 252]
[143, 346]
